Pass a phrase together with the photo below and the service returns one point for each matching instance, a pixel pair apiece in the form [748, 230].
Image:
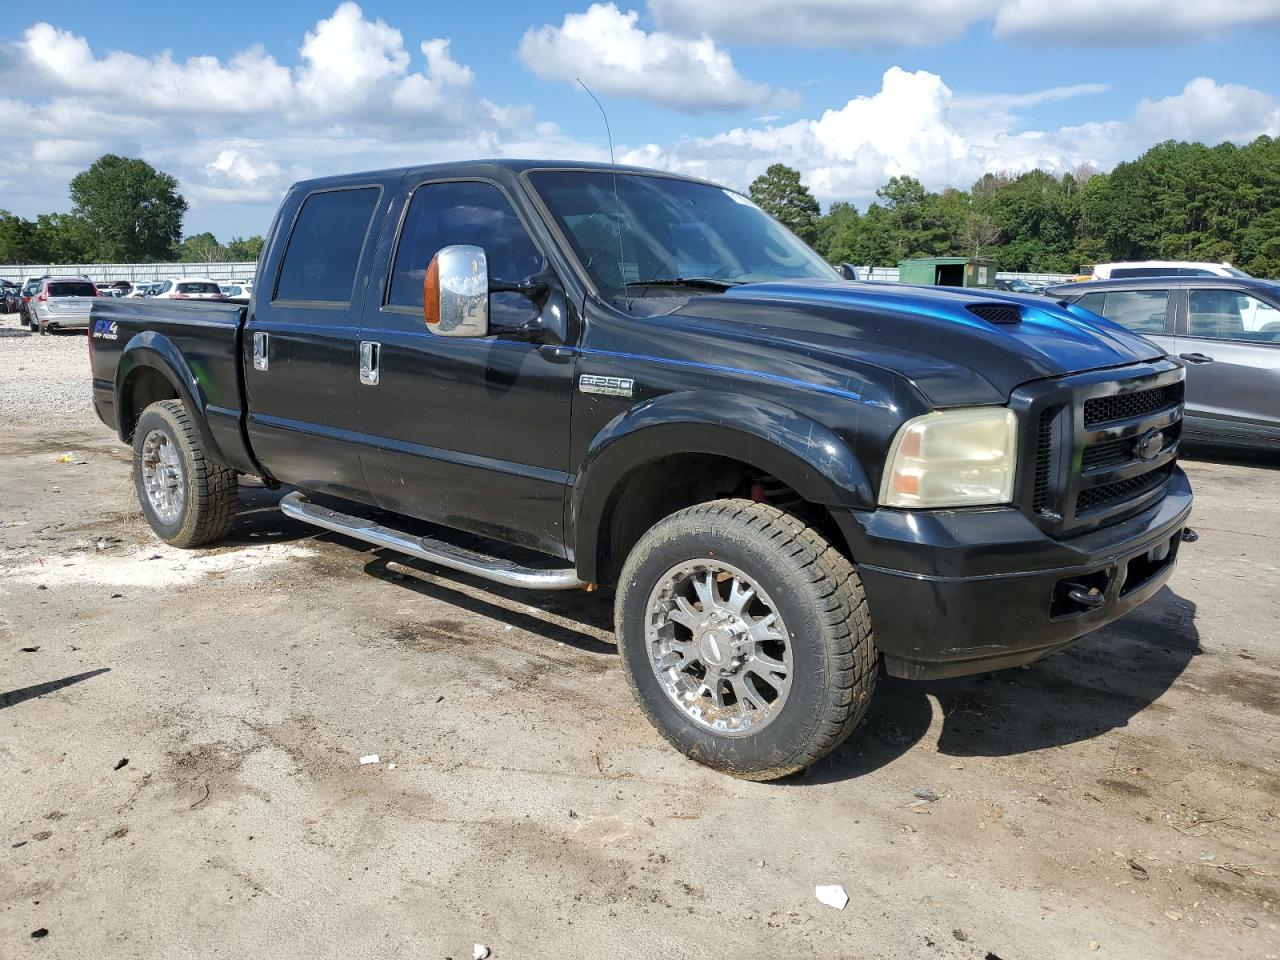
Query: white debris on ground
[154, 565]
[368, 758]
[480, 952]
[832, 895]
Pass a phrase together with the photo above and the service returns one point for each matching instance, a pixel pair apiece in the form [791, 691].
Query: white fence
[228, 272]
[133, 272]
[891, 274]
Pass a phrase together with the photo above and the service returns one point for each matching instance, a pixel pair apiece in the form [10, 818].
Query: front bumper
[967, 591]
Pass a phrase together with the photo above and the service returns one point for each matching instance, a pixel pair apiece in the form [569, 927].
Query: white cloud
[1122, 23]
[863, 24]
[855, 24]
[605, 48]
[410, 102]
[240, 130]
[916, 125]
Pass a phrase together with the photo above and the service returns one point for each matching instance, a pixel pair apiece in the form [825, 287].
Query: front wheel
[188, 499]
[745, 637]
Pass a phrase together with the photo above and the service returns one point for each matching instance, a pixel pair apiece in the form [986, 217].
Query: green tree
[780, 192]
[245, 248]
[203, 248]
[19, 242]
[65, 238]
[135, 211]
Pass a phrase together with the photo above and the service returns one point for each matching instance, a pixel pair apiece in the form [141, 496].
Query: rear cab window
[323, 253]
[72, 288]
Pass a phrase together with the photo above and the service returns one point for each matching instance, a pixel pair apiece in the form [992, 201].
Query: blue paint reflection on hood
[1052, 339]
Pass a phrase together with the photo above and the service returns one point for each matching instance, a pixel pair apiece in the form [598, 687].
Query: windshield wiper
[698, 283]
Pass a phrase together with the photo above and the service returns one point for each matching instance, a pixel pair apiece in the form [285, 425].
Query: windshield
[1233, 272]
[670, 229]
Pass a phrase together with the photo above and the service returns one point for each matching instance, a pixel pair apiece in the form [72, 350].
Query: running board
[297, 505]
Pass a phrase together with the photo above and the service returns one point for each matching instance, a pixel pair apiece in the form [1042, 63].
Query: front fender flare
[155, 351]
[805, 455]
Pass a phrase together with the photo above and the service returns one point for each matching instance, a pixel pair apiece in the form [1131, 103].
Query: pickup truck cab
[635, 379]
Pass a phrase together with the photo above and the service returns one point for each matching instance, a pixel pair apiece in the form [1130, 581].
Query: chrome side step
[297, 505]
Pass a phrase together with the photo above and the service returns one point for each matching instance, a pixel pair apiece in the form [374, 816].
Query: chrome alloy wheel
[162, 476]
[718, 647]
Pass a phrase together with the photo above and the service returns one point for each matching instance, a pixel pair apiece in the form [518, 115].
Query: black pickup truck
[792, 481]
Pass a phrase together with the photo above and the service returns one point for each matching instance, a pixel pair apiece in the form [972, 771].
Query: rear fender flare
[808, 457]
[154, 351]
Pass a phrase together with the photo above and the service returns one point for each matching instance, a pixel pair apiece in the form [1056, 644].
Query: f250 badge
[106, 330]
[610, 386]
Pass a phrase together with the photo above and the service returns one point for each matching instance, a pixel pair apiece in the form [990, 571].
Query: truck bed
[144, 338]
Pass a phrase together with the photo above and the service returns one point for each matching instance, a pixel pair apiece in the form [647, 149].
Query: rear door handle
[1195, 358]
[260, 356]
[369, 356]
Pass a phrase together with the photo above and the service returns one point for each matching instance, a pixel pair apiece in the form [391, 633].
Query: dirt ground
[180, 736]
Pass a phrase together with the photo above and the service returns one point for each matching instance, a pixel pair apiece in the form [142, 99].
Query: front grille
[1086, 432]
[1125, 405]
[1095, 498]
[1044, 460]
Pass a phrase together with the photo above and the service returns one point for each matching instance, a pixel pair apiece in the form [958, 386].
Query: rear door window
[1142, 311]
[1231, 315]
[72, 288]
[323, 254]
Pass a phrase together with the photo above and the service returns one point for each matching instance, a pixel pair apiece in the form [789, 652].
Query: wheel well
[664, 486]
[145, 386]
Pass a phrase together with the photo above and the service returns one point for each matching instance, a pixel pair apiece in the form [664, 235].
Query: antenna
[617, 204]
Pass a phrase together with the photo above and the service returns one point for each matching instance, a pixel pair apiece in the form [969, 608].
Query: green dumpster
[948, 272]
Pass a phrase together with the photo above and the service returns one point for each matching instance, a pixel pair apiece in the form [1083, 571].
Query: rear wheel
[188, 499]
[745, 636]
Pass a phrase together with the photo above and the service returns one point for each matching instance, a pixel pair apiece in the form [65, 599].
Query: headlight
[952, 458]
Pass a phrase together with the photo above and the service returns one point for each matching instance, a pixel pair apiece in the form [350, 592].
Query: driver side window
[464, 212]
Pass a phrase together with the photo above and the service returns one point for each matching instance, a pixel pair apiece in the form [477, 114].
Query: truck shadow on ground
[1096, 685]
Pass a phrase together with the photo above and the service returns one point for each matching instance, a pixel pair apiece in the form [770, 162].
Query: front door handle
[369, 356]
[557, 351]
[260, 356]
[1195, 358]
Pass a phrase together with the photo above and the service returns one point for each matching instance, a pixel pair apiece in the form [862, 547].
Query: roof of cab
[488, 166]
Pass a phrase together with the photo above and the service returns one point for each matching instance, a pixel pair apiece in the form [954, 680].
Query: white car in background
[1164, 268]
[190, 288]
[236, 290]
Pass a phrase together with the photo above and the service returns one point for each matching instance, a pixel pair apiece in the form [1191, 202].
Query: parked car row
[1225, 329]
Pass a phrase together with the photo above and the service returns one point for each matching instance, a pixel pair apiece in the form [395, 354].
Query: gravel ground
[42, 377]
[180, 734]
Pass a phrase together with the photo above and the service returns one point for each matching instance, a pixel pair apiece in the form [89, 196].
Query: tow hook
[1086, 596]
[1189, 535]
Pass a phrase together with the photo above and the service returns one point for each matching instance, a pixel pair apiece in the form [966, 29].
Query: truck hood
[932, 336]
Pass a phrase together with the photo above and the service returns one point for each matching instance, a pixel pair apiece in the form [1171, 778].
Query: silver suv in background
[1226, 330]
[62, 303]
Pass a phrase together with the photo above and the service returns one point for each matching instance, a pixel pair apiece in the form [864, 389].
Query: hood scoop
[998, 313]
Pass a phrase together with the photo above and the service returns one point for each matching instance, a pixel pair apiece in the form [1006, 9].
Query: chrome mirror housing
[455, 293]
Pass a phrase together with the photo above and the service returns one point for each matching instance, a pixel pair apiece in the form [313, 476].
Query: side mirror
[848, 271]
[455, 293]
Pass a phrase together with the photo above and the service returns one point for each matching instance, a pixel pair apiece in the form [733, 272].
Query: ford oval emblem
[1149, 445]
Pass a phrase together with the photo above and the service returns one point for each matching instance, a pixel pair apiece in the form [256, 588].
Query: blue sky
[850, 91]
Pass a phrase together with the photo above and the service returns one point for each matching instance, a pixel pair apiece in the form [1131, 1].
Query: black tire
[813, 588]
[210, 491]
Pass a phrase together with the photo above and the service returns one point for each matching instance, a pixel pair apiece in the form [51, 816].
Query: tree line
[124, 211]
[1178, 201]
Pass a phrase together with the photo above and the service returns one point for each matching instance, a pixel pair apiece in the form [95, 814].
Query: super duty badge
[610, 386]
